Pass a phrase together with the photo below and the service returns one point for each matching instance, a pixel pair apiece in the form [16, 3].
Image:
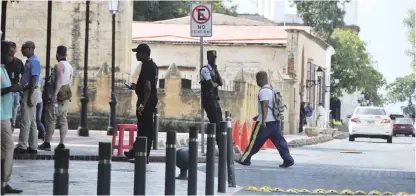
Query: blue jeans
[15, 110]
[39, 123]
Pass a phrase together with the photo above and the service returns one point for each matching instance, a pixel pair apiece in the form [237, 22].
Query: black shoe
[133, 161]
[9, 189]
[31, 151]
[60, 146]
[242, 163]
[46, 146]
[129, 154]
[19, 151]
[286, 165]
[41, 136]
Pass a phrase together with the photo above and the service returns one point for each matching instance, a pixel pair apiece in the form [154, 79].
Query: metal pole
[104, 168]
[113, 100]
[140, 148]
[201, 58]
[210, 165]
[193, 161]
[170, 163]
[61, 175]
[3, 19]
[83, 127]
[230, 152]
[222, 159]
[48, 58]
[156, 127]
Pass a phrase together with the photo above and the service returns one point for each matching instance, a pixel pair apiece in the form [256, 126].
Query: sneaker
[9, 189]
[242, 163]
[19, 151]
[46, 146]
[31, 151]
[60, 146]
[286, 165]
[129, 154]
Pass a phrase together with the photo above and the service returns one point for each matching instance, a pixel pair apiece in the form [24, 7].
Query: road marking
[267, 189]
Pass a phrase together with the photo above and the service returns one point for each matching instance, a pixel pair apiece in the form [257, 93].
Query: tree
[322, 16]
[410, 23]
[164, 10]
[350, 64]
[401, 89]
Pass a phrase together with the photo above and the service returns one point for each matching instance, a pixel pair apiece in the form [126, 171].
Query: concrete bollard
[170, 170]
[222, 158]
[140, 148]
[61, 175]
[156, 129]
[104, 168]
[210, 165]
[193, 161]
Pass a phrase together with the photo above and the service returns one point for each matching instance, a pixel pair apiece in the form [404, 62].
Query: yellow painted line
[268, 189]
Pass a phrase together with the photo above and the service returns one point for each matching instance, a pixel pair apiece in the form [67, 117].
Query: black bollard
[140, 148]
[193, 161]
[2, 177]
[222, 159]
[230, 154]
[170, 170]
[61, 175]
[104, 168]
[210, 165]
[156, 129]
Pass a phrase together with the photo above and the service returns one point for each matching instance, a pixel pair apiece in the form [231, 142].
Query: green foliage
[164, 10]
[350, 64]
[410, 23]
[322, 16]
[409, 110]
[401, 89]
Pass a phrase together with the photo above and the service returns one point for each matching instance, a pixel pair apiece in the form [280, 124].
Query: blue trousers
[260, 136]
[214, 113]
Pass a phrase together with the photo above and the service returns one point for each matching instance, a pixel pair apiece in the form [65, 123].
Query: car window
[405, 121]
[370, 111]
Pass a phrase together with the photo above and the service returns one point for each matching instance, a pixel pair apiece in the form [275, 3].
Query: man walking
[59, 95]
[146, 96]
[7, 90]
[210, 80]
[14, 69]
[309, 112]
[267, 125]
[31, 96]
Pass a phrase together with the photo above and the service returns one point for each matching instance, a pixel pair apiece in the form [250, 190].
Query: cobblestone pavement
[36, 178]
[367, 164]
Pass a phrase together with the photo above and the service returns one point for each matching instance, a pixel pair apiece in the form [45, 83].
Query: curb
[310, 141]
[157, 159]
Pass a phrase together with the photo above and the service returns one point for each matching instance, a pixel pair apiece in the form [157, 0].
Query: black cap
[142, 48]
[212, 53]
[61, 50]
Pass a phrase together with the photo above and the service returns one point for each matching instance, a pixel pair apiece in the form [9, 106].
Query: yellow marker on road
[251, 188]
[332, 192]
[278, 190]
[360, 192]
[346, 192]
[388, 193]
[304, 191]
[374, 192]
[292, 191]
[402, 194]
[319, 191]
[265, 189]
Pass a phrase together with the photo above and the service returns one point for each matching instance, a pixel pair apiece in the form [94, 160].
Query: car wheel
[390, 139]
[413, 135]
[351, 138]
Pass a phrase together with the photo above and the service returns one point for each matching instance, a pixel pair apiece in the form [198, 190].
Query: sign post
[201, 26]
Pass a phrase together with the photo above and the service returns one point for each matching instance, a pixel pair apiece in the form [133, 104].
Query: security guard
[210, 80]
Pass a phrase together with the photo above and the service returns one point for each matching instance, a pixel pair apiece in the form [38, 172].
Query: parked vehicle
[370, 122]
[403, 126]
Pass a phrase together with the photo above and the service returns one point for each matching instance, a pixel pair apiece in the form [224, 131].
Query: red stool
[121, 128]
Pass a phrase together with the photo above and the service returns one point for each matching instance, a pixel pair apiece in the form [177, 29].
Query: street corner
[253, 190]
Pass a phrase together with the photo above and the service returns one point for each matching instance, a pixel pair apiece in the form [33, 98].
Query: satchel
[64, 93]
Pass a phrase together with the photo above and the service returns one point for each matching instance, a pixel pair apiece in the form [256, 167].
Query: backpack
[278, 106]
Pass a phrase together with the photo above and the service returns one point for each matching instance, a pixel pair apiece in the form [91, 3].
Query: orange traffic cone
[269, 144]
[236, 135]
[244, 137]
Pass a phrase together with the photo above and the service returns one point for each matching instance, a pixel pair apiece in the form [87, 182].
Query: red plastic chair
[121, 128]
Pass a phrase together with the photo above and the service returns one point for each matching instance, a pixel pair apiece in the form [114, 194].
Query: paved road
[367, 164]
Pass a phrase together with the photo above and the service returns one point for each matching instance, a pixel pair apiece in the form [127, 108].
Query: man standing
[59, 95]
[210, 80]
[309, 112]
[267, 125]
[14, 69]
[146, 96]
[7, 90]
[31, 96]
[320, 120]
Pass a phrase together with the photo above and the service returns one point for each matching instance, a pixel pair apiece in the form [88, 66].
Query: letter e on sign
[201, 20]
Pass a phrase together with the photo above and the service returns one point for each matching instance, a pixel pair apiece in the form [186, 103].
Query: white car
[370, 122]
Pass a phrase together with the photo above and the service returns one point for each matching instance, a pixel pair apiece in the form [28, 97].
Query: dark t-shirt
[150, 73]
[15, 70]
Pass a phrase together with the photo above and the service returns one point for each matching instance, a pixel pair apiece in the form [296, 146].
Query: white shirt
[266, 94]
[68, 72]
[321, 111]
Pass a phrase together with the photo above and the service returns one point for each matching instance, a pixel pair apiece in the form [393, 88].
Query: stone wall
[27, 20]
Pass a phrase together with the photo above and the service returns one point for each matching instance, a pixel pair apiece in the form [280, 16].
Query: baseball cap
[142, 48]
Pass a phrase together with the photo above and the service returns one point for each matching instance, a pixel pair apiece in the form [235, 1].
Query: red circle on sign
[196, 10]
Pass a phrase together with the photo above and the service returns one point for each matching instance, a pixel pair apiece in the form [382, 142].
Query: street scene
[228, 97]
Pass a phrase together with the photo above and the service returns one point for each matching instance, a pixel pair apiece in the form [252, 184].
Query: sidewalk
[86, 148]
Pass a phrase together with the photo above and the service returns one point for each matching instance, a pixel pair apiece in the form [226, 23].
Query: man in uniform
[210, 80]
